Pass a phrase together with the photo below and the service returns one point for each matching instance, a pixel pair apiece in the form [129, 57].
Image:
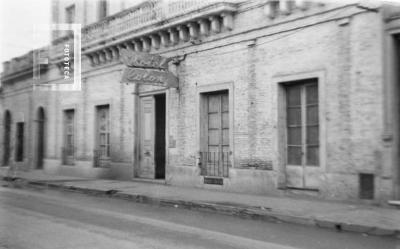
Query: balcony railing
[137, 17]
[215, 163]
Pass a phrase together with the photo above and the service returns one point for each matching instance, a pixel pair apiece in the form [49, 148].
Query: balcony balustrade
[138, 17]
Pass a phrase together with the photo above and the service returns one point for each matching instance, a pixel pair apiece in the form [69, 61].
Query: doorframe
[279, 82]
[391, 109]
[139, 127]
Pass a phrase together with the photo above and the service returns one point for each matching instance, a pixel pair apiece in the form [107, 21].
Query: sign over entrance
[144, 68]
[149, 77]
[143, 60]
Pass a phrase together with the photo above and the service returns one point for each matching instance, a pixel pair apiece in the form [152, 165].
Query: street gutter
[242, 211]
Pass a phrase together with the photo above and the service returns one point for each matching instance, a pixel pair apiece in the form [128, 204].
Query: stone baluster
[204, 27]
[215, 24]
[155, 41]
[173, 36]
[183, 33]
[227, 21]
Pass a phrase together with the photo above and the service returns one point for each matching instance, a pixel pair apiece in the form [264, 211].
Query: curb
[247, 212]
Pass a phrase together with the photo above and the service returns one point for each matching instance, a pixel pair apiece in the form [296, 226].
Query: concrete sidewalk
[345, 217]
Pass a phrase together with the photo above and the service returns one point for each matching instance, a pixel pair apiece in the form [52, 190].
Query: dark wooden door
[7, 139]
[40, 139]
[160, 143]
[19, 146]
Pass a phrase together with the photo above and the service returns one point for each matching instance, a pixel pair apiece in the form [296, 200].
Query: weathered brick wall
[348, 54]
[100, 88]
[17, 98]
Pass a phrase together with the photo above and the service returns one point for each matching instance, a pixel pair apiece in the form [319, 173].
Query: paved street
[51, 219]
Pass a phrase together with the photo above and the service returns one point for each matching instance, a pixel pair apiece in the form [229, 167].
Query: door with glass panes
[214, 122]
[302, 123]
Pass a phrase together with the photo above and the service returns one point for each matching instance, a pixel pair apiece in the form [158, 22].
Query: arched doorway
[40, 120]
[7, 138]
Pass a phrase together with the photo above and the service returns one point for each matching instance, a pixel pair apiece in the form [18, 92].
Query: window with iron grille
[302, 124]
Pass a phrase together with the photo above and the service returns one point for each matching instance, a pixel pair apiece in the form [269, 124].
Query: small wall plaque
[214, 180]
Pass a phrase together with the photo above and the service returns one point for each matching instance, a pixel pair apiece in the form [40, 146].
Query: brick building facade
[274, 97]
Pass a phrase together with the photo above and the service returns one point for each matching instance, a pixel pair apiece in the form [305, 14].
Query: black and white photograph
[199, 124]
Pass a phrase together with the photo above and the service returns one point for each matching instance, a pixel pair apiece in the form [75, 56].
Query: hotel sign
[144, 60]
[149, 77]
[148, 69]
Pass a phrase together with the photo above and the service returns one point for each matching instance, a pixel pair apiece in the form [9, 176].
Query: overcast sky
[17, 21]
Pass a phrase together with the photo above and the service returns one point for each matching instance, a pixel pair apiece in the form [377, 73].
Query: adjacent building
[274, 97]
